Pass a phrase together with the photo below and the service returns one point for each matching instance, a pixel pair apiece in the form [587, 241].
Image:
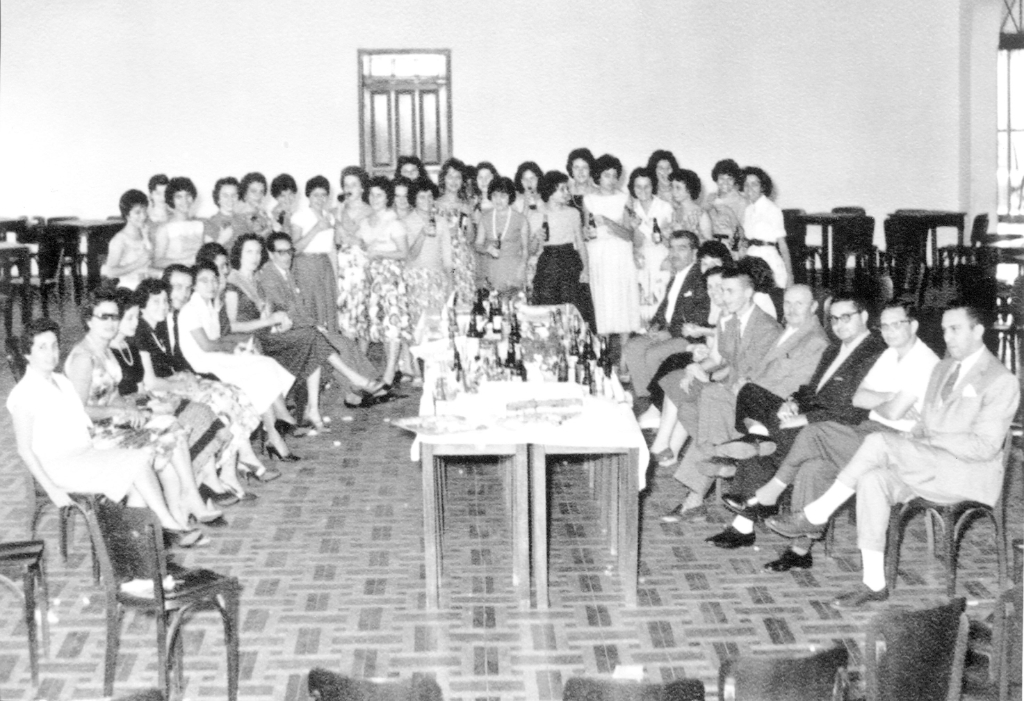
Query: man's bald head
[798, 305]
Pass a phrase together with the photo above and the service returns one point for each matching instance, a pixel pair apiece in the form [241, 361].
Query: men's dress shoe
[754, 512]
[679, 514]
[856, 599]
[749, 446]
[730, 539]
[796, 526]
[790, 560]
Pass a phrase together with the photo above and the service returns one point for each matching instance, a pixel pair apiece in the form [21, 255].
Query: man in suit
[180, 279]
[953, 453]
[893, 390]
[685, 302]
[282, 292]
[744, 338]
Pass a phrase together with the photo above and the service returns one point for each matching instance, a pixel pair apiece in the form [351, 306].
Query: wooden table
[827, 222]
[929, 221]
[15, 255]
[96, 233]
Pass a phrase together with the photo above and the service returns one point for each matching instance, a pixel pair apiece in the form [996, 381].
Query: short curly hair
[281, 184]
[726, 166]
[235, 259]
[34, 328]
[176, 185]
[230, 180]
[550, 182]
[502, 184]
[579, 154]
[382, 183]
[356, 172]
[130, 200]
[659, 156]
[248, 179]
[689, 179]
[767, 187]
[642, 173]
[603, 163]
[523, 169]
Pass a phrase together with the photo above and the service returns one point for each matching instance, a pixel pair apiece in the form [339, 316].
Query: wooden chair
[330, 686]
[806, 260]
[814, 678]
[1005, 667]
[914, 655]
[24, 560]
[854, 236]
[588, 689]
[954, 518]
[132, 547]
[60, 256]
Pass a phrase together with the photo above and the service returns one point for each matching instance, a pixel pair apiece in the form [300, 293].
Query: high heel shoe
[287, 429]
[218, 498]
[191, 538]
[269, 474]
[217, 521]
[276, 454]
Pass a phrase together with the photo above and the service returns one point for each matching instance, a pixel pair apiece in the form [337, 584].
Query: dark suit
[283, 293]
[833, 402]
[644, 354]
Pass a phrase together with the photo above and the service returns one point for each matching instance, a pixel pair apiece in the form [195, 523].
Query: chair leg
[29, 579]
[952, 537]
[44, 606]
[163, 654]
[230, 618]
[115, 614]
[176, 660]
[65, 524]
[892, 546]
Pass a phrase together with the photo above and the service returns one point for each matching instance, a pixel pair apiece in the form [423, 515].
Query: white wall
[852, 103]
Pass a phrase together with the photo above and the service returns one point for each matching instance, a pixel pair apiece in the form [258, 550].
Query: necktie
[172, 321]
[947, 387]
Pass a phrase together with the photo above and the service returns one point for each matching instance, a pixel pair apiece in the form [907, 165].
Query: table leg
[826, 254]
[431, 531]
[629, 529]
[520, 469]
[539, 508]
[613, 466]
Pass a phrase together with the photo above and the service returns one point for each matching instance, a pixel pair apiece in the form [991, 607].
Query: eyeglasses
[284, 251]
[844, 318]
[892, 326]
[107, 317]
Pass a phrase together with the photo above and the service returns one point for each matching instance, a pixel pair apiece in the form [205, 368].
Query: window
[404, 108]
[1010, 129]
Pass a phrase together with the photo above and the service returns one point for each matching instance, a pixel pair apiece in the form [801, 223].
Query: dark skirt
[300, 350]
[319, 285]
[557, 281]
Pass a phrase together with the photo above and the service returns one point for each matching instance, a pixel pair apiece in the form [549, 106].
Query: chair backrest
[819, 676]
[856, 233]
[796, 230]
[913, 655]
[979, 229]
[586, 689]
[331, 686]
[849, 210]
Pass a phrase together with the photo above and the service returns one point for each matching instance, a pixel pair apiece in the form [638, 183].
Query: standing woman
[383, 238]
[178, 239]
[453, 206]
[315, 261]
[485, 173]
[763, 226]
[578, 167]
[561, 266]
[688, 214]
[727, 206]
[353, 318]
[530, 205]
[262, 380]
[611, 248]
[661, 165]
[130, 254]
[411, 168]
[254, 217]
[225, 226]
[430, 257]
[503, 239]
[403, 199]
[646, 210]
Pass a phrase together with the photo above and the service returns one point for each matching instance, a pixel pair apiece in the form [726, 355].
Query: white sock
[874, 569]
[819, 510]
[743, 525]
[757, 429]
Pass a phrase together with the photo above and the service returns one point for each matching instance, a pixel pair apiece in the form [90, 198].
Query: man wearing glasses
[893, 391]
[828, 396]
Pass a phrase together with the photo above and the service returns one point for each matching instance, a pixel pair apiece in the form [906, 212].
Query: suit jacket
[835, 400]
[282, 294]
[743, 354]
[692, 304]
[784, 368]
[178, 358]
[963, 437]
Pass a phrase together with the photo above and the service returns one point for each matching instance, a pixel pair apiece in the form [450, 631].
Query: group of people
[740, 385]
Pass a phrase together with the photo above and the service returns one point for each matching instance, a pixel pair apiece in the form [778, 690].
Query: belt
[759, 242]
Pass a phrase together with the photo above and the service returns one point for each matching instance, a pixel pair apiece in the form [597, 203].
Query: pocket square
[969, 391]
[688, 293]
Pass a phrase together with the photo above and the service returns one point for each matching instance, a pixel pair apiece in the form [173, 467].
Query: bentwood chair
[913, 655]
[24, 560]
[132, 548]
[1005, 668]
[954, 519]
[330, 686]
[589, 689]
[818, 677]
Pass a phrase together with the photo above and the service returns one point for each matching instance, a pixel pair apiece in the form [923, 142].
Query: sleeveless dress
[464, 258]
[313, 268]
[534, 213]
[613, 274]
[387, 301]
[106, 374]
[427, 276]
[62, 439]
[184, 239]
[260, 378]
[653, 279]
[557, 280]
[507, 271]
[300, 350]
[353, 317]
[136, 251]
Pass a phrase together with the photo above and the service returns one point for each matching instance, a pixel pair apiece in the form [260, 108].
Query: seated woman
[303, 350]
[763, 227]
[503, 239]
[157, 210]
[164, 371]
[263, 381]
[254, 217]
[95, 375]
[178, 239]
[227, 224]
[130, 253]
[54, 435]
[688, 214]
[209, 439]
[561, 266]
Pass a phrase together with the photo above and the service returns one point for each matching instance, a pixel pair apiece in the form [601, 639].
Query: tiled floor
[331, 561]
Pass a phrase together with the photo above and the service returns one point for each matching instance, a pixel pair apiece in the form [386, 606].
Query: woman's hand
[700, 352]
[493, 251]
[161, 406]
[131, 416]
